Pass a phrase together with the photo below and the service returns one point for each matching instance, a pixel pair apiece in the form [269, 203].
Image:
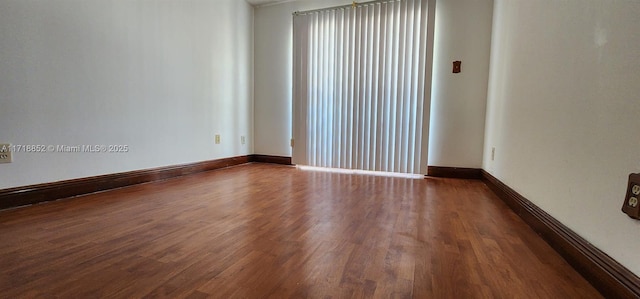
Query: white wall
[463, 31]
[159, 76]
[458, 101]
[563, 113]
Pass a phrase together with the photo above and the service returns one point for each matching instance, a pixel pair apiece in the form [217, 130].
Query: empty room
[319, 149]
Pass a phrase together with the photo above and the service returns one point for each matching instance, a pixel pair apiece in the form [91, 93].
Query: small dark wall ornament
[457, 66]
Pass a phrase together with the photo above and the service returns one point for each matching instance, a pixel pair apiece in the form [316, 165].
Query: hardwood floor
[270, 231]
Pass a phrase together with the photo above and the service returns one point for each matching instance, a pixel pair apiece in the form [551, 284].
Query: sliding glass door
[362, 82]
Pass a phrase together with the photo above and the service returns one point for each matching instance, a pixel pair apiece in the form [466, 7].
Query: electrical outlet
[242, 140]
[493, 153]
[630, 206]
[5, 153]
[217, 138]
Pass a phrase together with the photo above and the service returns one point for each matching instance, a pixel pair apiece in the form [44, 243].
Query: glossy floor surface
[270, 231]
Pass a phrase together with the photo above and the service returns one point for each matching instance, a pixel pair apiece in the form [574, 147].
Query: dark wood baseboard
[32, 194]
[454, 172]
[26, 195]
[271, 159]
[611, 278]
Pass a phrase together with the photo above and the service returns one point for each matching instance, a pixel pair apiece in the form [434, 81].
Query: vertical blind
[361, 86]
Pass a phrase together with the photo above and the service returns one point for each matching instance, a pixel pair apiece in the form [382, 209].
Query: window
[362, 80]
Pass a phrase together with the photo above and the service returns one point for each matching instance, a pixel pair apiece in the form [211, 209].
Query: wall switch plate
[5, 153]
[631, 205]
[493, 153]
[217, 138]
[242, 140]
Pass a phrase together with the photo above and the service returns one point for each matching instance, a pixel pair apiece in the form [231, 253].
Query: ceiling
[263, 2]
